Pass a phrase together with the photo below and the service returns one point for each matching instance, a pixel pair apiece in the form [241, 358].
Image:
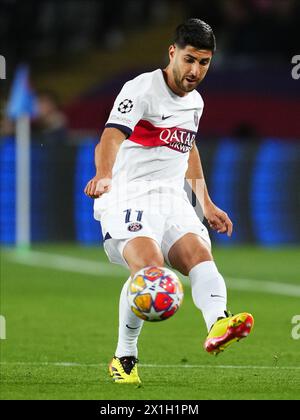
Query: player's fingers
[223, 229]
[214, 220]
[90, 189]
[86, 189]
[214, 226]
[227, 225]
[95, 193]
[216, 223]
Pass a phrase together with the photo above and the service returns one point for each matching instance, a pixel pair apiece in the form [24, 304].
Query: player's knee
[192, 258]
[146, 259]
[151, 259]
[141, 253]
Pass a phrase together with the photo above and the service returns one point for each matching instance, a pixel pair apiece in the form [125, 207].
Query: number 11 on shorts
[128, 213]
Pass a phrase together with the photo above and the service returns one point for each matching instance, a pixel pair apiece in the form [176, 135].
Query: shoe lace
[128, 363]
[227, 315]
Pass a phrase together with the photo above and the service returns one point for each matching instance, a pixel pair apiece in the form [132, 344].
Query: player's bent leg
[191, 256]
[187, 252]
[138, 253]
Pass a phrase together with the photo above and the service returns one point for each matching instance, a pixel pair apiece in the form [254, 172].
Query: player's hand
[96, 187]
[218, 219]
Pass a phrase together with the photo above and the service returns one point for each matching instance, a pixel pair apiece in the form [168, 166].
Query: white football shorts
[164, 217]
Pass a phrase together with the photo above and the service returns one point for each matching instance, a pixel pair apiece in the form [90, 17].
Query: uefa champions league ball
[155, 294]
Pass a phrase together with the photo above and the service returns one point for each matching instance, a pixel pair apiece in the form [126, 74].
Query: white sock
[208, 291]
[129, 327]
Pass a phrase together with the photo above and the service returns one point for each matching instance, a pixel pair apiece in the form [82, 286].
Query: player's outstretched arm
[105, 156]
[217, 218]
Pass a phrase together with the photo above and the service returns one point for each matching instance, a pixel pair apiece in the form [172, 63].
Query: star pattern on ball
[155, 294]
[154, 288]
[125, 106]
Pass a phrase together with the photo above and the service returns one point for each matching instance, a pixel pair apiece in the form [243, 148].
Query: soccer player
[146, 151]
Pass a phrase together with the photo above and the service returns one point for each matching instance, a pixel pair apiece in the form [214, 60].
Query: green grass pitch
[61, 327]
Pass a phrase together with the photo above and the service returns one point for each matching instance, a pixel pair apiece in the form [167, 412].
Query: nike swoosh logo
[127, 326]
[217, 296]
[165, 118]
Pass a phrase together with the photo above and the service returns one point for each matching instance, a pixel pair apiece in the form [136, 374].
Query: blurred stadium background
[78, 54]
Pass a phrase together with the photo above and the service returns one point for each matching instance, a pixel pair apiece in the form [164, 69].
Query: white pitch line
[65, 263]
[83, 266]
[183, 366]
[282, 289]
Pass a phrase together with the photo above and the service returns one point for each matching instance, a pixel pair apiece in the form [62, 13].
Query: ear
[172, 49]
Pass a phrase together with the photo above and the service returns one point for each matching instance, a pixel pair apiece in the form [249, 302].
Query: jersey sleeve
[128, 109]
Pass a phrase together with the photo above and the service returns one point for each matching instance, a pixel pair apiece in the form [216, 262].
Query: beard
[182, 83]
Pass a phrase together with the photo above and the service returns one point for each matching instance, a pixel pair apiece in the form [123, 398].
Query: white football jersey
[161, 128]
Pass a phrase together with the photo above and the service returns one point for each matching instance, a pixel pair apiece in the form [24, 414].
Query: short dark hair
[196, 33]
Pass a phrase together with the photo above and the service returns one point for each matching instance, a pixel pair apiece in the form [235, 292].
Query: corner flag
[22, 106]
[22, 100]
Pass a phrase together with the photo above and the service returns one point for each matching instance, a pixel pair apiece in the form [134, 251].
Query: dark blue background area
[256, 183]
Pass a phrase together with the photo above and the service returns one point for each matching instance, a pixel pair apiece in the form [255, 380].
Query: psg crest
[135, 227]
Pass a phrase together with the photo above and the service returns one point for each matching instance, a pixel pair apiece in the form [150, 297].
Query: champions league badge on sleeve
[135, 227]
[125, 106]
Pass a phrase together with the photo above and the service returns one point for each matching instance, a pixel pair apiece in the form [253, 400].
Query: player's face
[189, 67]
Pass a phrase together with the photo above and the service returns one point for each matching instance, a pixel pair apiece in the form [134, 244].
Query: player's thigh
[187, 252]
[142, 252]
